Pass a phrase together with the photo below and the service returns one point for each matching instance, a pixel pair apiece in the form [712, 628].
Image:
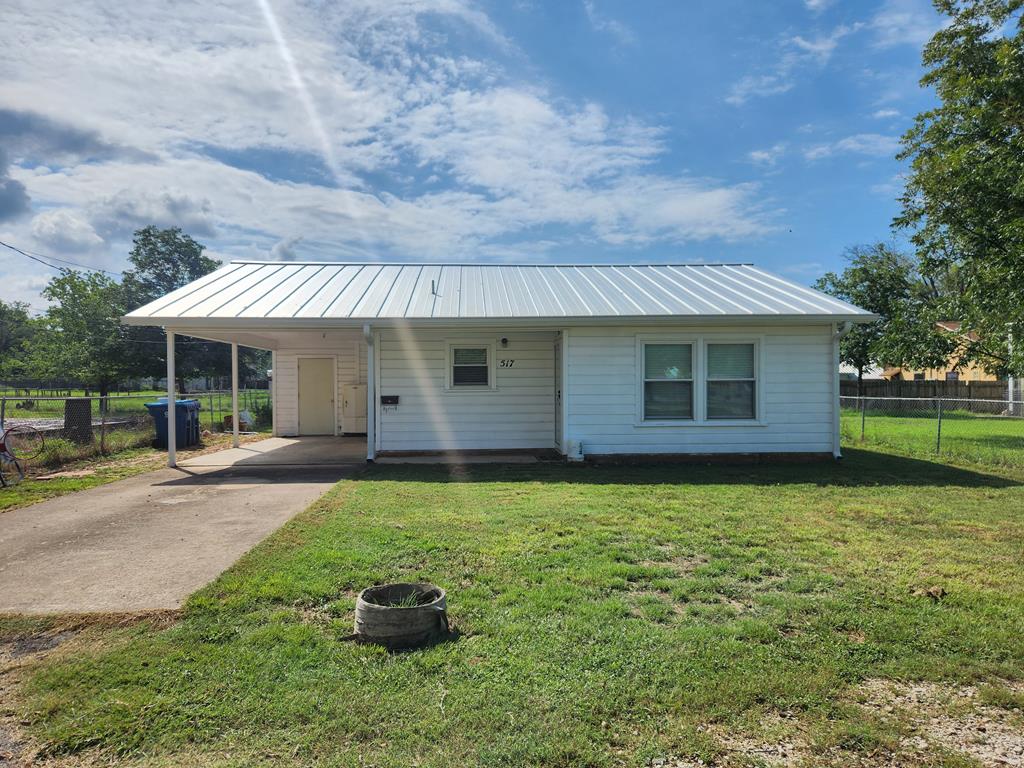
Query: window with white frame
[470, 366]
[731, 381]
[668, 382]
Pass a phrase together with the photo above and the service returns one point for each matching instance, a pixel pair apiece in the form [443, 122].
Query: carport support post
[172, 422]
[371, 386]
[234, 394]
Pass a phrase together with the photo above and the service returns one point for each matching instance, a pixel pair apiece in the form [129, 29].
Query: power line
[45, 260]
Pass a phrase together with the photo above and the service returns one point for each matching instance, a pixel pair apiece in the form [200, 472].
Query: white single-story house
[598, 360]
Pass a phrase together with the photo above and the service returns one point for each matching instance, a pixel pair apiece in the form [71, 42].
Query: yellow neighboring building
[966, 372]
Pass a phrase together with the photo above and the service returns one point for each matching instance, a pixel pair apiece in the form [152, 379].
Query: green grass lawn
[983, 439]
[605, 616]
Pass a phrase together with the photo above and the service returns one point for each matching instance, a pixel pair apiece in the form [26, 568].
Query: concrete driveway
[147, 542]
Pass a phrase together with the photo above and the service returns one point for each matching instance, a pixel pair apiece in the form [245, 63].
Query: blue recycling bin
[186, 422]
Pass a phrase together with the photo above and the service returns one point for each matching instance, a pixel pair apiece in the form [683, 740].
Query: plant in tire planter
[400, 616]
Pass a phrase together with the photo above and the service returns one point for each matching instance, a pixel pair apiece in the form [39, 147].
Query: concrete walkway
[147, 542]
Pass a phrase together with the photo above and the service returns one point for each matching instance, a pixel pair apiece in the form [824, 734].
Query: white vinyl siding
[793, 388]
[517, 412]
[349, 349]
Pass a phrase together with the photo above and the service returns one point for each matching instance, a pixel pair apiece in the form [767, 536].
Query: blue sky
[589, 130]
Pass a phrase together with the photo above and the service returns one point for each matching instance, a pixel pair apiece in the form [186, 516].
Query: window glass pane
[470, 356]
[730, 361]
[469, 375]
[668, 361]
[668, 400]
[730, 399]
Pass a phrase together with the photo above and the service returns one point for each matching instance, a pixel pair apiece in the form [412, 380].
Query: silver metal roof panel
[342, 292]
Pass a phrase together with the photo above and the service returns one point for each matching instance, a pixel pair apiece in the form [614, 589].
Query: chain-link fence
[983, 431]
[77, 427]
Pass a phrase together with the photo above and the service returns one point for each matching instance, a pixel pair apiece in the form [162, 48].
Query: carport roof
[251, 293]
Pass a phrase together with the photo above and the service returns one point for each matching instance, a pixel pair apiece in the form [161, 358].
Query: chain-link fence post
[938, 429]
[3, 411]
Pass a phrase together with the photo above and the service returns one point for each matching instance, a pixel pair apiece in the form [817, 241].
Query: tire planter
[401, 616]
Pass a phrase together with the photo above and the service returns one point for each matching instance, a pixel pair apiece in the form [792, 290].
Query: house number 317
[506, 363]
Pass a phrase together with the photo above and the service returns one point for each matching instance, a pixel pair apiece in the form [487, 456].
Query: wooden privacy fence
[960, 390]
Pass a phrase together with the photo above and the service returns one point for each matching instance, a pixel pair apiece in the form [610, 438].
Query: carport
[321, 423]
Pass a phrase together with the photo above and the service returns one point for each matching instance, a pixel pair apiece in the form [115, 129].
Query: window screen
[469, 367]
[668, 381]
[731, 381]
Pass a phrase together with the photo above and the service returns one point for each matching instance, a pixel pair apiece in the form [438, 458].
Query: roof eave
[294, 323]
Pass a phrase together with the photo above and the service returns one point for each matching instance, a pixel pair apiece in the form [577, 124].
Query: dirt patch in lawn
[953, 717]
[782, 741]
[928, 720]
[682, 565]
[71, 473]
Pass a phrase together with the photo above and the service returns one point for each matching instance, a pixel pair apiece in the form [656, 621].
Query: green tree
[164, 260]
[82, 337]
[882, 280]
[964, 199]
[16, 331]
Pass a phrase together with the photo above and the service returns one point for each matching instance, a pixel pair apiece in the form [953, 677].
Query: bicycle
[18, 444]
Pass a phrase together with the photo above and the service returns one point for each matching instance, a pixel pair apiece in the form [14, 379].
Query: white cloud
[284, 250]
[817, 6]
[759, 85]
[822, 47]
[601, 23]
[130, 209]
[478, 159]
[769, 156]
[905, 22]
[64, 230]
[885, 114]
[798, 52]
[869, 144]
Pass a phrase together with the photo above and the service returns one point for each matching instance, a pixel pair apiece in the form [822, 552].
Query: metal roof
[345, 293]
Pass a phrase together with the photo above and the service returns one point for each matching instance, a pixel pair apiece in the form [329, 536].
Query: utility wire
[45, 260]
[40, 258]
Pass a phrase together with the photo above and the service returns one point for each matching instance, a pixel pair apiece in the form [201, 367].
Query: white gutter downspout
[371, 397]
[841, 329]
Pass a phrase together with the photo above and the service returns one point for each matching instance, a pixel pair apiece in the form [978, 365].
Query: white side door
[353, 409]
[316, 396]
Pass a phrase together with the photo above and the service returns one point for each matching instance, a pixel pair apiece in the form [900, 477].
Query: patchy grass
[215, 405]
[979, 438]
[59, 451]
[78, 475]
[606, 616]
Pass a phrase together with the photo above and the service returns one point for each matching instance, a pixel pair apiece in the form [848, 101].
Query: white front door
[316, 396]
